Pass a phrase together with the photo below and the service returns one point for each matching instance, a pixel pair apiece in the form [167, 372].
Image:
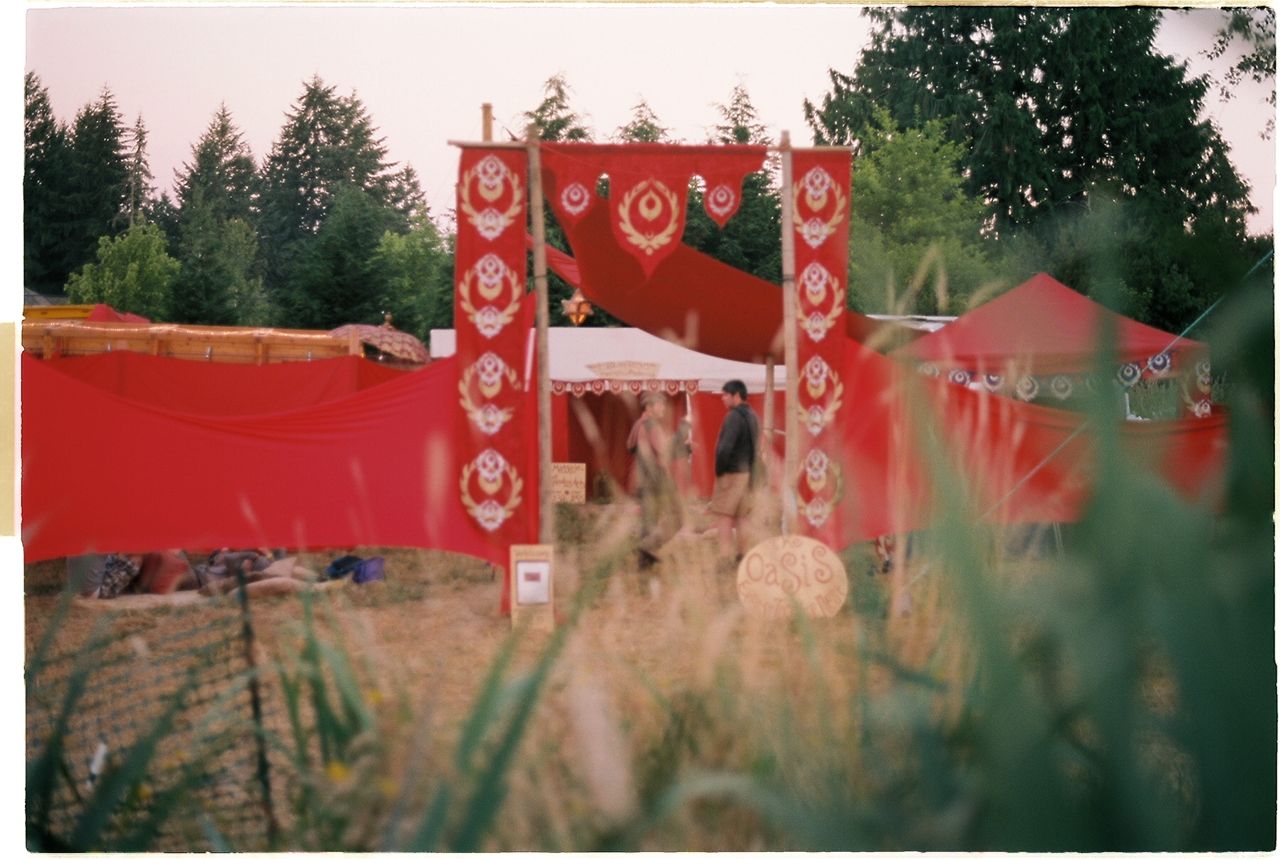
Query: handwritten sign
[783, 574]
[532, 591]
[569, 482]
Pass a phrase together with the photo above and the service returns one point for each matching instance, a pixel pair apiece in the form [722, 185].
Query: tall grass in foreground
[1119, 696]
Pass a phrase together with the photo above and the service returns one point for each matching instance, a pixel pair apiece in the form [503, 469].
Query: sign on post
[791, 572]
[532, 585]
[569, 482]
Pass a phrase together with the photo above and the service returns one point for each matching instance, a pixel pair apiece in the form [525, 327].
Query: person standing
[652, 445]
[737, 468]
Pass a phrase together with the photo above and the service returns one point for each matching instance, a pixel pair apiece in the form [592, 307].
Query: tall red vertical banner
[497, 491]
[820, 195]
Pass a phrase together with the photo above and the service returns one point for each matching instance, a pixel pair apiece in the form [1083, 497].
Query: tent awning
[1042, 327]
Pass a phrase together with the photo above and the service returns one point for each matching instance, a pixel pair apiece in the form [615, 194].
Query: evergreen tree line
[323, 232]
[990, 143]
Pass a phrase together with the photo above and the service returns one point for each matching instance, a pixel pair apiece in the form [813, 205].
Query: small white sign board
[532, 585]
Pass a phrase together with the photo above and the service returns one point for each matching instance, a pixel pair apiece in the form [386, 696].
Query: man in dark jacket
[737, 461]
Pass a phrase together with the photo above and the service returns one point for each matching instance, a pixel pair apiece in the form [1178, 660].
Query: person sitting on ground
[111, 576]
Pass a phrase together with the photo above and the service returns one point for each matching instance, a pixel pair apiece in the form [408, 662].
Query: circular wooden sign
[785, 573]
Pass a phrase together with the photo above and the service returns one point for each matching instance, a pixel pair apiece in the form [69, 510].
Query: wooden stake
[767, 450]
[546, 531]
[791, 421]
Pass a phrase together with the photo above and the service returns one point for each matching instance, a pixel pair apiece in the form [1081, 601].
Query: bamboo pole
[545, 518]
[791, 420]
[767, 448]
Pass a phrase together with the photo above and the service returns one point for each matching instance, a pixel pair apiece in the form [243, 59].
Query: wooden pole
[791, 419]
[767, 447]
[486, 122]
[546, 531]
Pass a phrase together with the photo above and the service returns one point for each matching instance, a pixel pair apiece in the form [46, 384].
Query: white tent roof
[588, 354]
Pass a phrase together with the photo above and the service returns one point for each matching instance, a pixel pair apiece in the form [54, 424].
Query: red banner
[648, 189]
[820, 197]
[496, 484]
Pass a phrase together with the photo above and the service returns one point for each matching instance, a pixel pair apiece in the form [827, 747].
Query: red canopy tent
[1043, 327]
[107, 313]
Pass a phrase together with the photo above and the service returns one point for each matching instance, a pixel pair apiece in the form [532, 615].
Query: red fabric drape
[378, 466]
[689, 297]
[217, 389]
[648, 186]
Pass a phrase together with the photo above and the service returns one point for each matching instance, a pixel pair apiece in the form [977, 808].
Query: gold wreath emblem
[816, 325]
[488, 422]
[833, 469]
[489, 222]
[817, 385]
[814, 230]
[826, 414]
[489, 513]
[488, 320]
[649, 207]
[488, 389]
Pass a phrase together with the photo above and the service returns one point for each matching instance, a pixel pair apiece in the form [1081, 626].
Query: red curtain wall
[375, 466]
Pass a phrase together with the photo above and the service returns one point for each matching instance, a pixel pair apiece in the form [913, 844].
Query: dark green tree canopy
[750, 240]
[338, 277]
[221, 170]
[47, 257]
[553, 120]
[328, 144]
[141, 189]
[98, 178]
[1050, 105]
[644, 127]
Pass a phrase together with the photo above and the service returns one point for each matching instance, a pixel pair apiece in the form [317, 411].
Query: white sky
[424, 71]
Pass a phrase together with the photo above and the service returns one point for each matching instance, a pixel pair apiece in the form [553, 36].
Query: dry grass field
[971, 699]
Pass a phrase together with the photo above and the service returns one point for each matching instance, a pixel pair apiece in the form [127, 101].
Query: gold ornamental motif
[817, 475]
[815, 280]
[654, 197]
[487, 417]
[489, 178]
[808, 222]
[817, 417]
[490, 469]
[816, 372]
[489, 320]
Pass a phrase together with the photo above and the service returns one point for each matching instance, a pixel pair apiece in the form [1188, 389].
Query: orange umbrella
[384, 338]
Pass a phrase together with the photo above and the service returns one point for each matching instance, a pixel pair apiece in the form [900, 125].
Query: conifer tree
[328, 144]
[221, 170]
[97, 179]
[45, 250]
[644, 127]
[141, 190]
[751, 240]
[1061, 113]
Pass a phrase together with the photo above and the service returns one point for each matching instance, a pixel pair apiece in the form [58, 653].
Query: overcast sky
[423, 72]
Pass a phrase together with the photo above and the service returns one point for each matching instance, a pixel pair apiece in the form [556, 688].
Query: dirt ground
[427, 636]
[434, 623]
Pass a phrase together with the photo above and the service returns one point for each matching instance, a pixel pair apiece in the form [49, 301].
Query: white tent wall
[588, 354]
